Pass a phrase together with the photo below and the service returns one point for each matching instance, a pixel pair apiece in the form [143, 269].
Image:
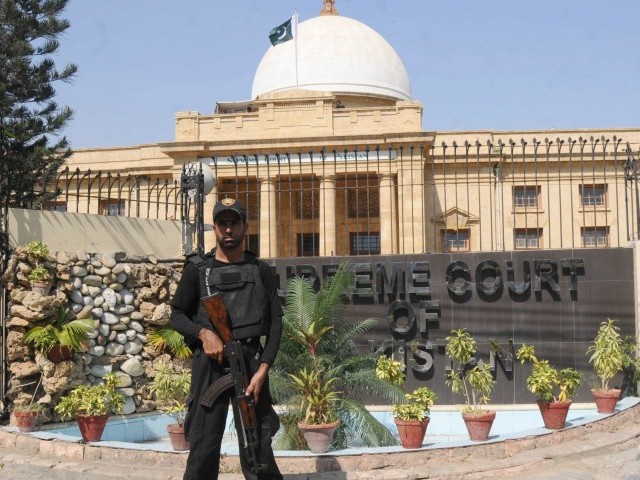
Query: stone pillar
[268, 219]
[411, 205]
[327, 216]
[209, 202]
[388, 215]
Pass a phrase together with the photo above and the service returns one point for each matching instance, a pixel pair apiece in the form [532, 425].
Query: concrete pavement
[606, 449]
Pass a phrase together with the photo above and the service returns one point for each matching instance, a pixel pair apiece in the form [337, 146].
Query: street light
[196, 181]
[631, 175]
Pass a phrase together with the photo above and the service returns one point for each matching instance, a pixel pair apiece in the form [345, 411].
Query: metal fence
[106, 193]
[452, 196]
[468, 196]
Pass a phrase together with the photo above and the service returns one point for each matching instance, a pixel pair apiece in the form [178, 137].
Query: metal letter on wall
[458, 271]
[518, 288]
[575, 267]
[546, 272]
[484, 268]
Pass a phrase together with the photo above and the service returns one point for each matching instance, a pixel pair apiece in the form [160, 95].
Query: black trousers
[205, 426]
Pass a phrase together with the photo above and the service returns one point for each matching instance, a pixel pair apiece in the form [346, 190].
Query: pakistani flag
[282, 33]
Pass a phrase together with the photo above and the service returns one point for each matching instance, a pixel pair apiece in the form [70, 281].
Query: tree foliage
[31, 148]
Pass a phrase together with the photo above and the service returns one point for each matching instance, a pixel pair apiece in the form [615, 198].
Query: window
[56, 206]
[307, 204]
[526, 196]
[363, 203]
[455, 240]
[527, 238]
[593, 237]
[113, 208]
[593, 195]
[365, 243]
[308, 244]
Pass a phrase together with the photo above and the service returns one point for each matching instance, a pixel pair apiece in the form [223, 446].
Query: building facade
[331, 158]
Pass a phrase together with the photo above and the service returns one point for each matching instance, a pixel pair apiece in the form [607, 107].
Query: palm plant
[166, 338]
[60, 333]
[317, 338]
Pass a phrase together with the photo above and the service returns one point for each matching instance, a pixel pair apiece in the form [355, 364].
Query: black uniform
[205, 426]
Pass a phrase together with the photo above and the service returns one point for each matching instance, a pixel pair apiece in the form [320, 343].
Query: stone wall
[124, 296]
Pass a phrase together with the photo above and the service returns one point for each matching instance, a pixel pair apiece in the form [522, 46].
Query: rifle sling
[216, 389]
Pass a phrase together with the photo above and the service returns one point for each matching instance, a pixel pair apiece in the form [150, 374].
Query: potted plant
[630, 366]
[608, 356]
[411, 416]
[475, 383]
[91, 406]
[59, 339]
[171, 386]
[26, 414]
[319, 339]
[555, 388]
[39, 277]
[317, 400]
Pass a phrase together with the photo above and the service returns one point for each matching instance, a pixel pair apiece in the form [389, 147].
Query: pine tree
[31, 148]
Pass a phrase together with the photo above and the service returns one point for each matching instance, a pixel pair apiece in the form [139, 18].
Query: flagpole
[295, 39]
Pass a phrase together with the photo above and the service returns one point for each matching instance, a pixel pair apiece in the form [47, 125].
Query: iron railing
[106, 193]
[479, 196]
[468, 192]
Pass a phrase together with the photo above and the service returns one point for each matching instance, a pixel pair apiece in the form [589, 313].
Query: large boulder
[33, 306]
[16, 348]
[65, 376]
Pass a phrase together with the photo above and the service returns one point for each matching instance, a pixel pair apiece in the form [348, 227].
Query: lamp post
[196, 181]
[631, 175]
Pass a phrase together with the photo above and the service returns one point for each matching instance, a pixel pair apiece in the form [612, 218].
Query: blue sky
[475, 65]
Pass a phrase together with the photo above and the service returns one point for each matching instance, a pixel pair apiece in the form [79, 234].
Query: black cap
[229, 205]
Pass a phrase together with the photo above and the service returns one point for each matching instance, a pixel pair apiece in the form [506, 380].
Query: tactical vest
[242, 292]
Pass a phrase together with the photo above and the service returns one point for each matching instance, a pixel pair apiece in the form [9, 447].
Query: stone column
[411, 206]
[388, 215]
[268, 219]
[209, 202]
[327, 216]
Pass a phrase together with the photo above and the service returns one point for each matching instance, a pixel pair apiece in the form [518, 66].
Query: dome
[334, 54]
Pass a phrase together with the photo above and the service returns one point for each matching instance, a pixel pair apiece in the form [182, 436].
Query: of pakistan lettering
[315, 157]
[406, 289]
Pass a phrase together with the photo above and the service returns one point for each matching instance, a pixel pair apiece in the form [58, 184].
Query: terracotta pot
[92, 426]
[26, 421]
[554, 414]
[318, 437]
[606, 401]
[59, 354]
[43, 288]
[479, 424]
[176, 435]
[411, 432]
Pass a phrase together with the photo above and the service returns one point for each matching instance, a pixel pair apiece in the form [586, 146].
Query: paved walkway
[606, 449]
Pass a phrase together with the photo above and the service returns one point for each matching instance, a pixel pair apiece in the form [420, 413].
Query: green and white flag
[282, 33]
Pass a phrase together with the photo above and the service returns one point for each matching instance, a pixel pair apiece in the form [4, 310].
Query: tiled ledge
[626, 421]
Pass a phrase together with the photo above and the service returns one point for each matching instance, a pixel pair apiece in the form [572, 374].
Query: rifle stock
[244, 407]
[217, 312]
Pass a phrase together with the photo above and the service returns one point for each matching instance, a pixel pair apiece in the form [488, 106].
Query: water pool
[446, 428]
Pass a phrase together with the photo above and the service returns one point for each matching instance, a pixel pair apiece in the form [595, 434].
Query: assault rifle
[244, 408]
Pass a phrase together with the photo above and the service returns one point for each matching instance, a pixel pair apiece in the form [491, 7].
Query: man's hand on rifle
[255, 385]
[212, 345]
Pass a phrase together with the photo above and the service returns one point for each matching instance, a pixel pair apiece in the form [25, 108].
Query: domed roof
[334, 54]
